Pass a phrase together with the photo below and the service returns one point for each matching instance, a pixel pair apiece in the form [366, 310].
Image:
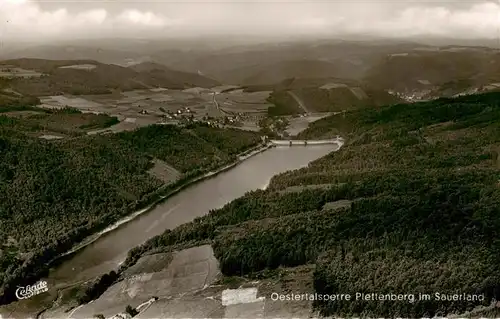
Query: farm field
[8, 71]
[140, 108]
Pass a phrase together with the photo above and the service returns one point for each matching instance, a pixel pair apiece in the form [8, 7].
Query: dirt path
[299, 101]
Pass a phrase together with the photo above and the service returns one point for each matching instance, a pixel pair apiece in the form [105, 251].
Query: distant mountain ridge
[277, 72]
[445, 72]
[103, 78]
[74, 52]
[234, 65]
[409, 69]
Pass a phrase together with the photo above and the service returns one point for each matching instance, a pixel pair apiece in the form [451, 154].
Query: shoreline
[240, 158]
[168, 192]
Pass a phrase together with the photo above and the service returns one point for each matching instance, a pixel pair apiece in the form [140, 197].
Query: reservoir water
[106, 253]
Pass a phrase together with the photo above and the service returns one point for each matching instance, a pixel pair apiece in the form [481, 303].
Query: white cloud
[16, 1]
[141, 18]
[27, 19]
[481, 20]
[94, 17]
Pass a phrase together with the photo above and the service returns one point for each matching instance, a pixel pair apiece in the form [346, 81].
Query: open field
[184, 284]
[87, 67]
[159, 275]
[222, 88]
[135, 108]
[144, 107]
[60, 102]
[56, 124]
[250, 106]
[240, 101]
[164, 172]
[7, 71]
[223, 105]
[299, 124]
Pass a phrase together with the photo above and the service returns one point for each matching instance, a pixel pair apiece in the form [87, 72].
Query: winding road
[216, 104]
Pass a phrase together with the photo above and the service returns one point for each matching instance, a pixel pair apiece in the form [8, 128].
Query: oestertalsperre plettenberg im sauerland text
[359, 296]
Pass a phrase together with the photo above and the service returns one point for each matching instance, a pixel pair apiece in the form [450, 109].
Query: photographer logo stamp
[33, 290]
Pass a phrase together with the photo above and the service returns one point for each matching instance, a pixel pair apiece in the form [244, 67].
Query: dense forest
[69, 122]
[328, 100]
[54, 193]
[13, 101]
[422, 215]
[283, 104]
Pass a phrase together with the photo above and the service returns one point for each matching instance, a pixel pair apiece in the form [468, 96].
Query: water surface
[107, 252]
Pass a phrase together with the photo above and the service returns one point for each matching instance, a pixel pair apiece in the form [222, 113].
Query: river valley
[106, 253]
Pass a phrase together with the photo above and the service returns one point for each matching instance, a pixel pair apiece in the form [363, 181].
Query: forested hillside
[336, 99]
[190, 79]
[423, 70]
[410, 204]
[55, 193]
[283, 104]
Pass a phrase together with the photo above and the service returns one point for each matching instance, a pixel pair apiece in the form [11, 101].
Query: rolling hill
[234, 65]
[336, 98]
[67, 76]
[190, 79]
[277, 72]
[323, 95]
[400, 66]
[75, 52]
[444, 72]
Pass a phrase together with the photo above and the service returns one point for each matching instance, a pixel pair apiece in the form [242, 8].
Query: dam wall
[305, 142]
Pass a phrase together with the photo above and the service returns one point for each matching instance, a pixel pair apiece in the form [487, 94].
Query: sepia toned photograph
[242, 159]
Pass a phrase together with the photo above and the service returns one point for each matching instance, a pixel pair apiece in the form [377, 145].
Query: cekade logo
[30, 291]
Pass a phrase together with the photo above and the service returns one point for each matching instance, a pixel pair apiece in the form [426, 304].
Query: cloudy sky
[50, 19]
